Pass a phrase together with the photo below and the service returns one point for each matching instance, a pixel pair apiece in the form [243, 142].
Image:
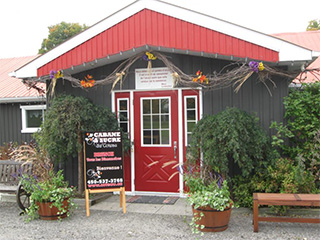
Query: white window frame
[141, 121]
[24, 110]
[128, 113]
[185, 115]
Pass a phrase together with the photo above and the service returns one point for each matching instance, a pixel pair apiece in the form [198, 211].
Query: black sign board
[103, 160]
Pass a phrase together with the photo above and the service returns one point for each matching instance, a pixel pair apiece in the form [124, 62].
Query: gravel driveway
[114, 225]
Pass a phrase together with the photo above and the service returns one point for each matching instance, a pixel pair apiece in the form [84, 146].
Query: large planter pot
[48, 212]
[213, 220]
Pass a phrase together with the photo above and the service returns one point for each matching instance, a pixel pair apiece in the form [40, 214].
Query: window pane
[155, 122]
[190, 126]
[164, 105]
[191, 115]
[191, 103]
[165, 121]
[146, 122]
[155, 106]
[146, 106]
[156, 137]
[124, 127]
[123, 116]
[146, 137]
[123, 104]
[165, 137]
[34, 118]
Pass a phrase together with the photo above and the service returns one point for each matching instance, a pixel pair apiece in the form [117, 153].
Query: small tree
[59, 33]
[61, 132]
[313, 25]
[232, 136]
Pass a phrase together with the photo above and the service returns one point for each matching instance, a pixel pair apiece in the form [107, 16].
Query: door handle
[175, 149]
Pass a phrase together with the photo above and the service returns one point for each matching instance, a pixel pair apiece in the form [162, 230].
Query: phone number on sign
[102, 181]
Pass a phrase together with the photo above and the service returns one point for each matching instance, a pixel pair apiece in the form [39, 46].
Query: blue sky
[24, 24]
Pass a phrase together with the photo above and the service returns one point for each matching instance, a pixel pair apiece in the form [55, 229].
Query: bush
[303, 127]
[67, 117]
[232, 136]
[285, 176]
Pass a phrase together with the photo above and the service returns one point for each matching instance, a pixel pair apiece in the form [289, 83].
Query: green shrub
[285, 176]
[232, 136]
[64, 122]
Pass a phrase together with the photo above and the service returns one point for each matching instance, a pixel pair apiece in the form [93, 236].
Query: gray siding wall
[253, 96]
[11, 124]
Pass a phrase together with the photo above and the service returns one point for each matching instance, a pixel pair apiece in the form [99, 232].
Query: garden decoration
[148, 56]
[200, 77]
[88, 81]
[234, 74]
[50, 196]
[54, 76]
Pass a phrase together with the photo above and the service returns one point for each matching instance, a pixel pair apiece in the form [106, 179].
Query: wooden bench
[283, 199]
[9, 172]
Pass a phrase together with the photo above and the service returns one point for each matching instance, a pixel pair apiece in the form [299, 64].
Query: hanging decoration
[200, 77]
[54, 76]
[88, 81]
[148, 56]
[234, 74]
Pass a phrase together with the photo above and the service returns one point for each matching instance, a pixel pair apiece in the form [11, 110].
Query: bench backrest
[10, 171]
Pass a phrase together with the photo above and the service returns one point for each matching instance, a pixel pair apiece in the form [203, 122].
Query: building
[160, 104]
[21, 108]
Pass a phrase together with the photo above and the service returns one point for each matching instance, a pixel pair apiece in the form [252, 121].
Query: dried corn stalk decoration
[234, 74]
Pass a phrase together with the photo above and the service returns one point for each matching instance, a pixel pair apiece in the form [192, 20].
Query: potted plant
[209, 197]
[50, 196]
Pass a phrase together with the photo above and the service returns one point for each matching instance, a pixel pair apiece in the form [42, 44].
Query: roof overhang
[288, 52]
[23, 100]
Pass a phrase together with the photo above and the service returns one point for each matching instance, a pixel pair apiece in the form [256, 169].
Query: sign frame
[103, 148]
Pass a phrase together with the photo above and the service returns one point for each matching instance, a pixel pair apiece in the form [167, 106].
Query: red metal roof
[11, 87]
[151, 28]
[309, 39]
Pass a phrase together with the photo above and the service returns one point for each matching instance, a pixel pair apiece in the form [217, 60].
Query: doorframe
[180, 134]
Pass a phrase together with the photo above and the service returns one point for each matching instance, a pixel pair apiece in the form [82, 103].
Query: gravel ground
[115, 225]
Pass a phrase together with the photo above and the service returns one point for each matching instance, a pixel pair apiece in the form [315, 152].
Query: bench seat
[283, 199]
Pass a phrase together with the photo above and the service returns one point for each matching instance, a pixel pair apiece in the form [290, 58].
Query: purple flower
[254, 66]
[145, 57]
[52, 74]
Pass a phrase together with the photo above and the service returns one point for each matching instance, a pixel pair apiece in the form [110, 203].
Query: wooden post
[122, 197]
[255, 213]
[87, 202]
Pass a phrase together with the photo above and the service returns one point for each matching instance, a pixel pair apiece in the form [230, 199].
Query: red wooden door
[156, 140]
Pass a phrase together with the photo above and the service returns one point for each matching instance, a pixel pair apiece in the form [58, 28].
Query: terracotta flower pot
[48, 212]
[213, 220]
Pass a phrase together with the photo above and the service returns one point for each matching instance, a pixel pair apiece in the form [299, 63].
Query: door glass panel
[191, 113]
[123, 104]
[146, 106]
[147, 137]
[164, 105]
[165, 136]
[165, 121]
[123, 114]
[146, 122]
[191, 103]
[156, 121]
[155, 106]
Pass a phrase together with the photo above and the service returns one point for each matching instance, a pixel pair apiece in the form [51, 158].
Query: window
[123, 114]
[155, 124]
[32, 117]
[190, 116]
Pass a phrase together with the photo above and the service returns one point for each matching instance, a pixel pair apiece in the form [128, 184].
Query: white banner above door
[153, 78]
